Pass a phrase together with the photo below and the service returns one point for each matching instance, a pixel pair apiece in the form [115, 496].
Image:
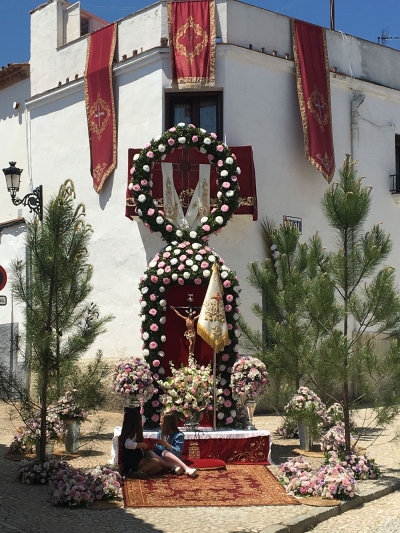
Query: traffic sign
[3, 300]
[3, 278]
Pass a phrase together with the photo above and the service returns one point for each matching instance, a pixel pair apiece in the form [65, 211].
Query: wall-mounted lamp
[34, 199]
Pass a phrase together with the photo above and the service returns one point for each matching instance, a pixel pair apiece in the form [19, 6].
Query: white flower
[193, 234]
[161, 289]
[145, 336]
[207, 140]
[145, 352]
[161, 354]
[136, 157]
[160, 370]
[237, 301]
[152, 264]
[235, 316]
[141, 198]
[203, 150]
[222, 367]
[229, 161]
[219, 220]
[161, 148]
[236, 288]
[220, 416]
[273, 247]
[198, 257]
[146, 168]
[163, 303]
[211, 258]
[156, 139]
[189, 262]
[237, 332]
[130, 186]
[181, 140]
[196, 246]
[155, 203]
[238, 171]
[181, 124]
[163, 157]
[203, 130]
[163, 338]
[159, 220]
[174, 260]
[186, 275]
[178, 233]
[236, 348]
[223, 381]
[176, 251]
[233, 414]
[150, 183]
[229, 193]
[224, 173]
[195, 268]
[206, 273]
[204, 220]
[144, 290]
[160, 272]
[145, 276]
[168, 248]
[174, 277]
[139, 212]
[143, 318]
[163, 319]
[224, 275]
[143, 303]
[276, 254]
[219, 194]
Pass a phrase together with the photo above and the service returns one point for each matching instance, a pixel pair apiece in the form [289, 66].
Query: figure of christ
[190, 333]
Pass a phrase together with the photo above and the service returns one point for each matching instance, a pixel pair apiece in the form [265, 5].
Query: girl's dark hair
[170, 424]
[132, 425]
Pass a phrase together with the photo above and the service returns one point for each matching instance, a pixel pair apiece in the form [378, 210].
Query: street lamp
[34, 199]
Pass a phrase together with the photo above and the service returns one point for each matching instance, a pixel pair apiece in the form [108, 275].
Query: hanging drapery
[313, 87]
[192, 42]
[99, 98]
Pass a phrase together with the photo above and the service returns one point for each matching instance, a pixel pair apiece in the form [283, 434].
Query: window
[204, 110]
[396, 177]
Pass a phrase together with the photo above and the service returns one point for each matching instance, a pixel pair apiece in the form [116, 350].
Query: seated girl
[169, 446]
[134, 458]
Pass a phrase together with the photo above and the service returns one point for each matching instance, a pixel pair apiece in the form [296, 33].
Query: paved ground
[25, 508]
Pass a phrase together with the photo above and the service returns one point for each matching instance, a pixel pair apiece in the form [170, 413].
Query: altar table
[232, 446]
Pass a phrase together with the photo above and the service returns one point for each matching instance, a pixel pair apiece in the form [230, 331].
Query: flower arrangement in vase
[133, 380]
[249, 380]
[68, 408]
[189, 391]
[28, 436]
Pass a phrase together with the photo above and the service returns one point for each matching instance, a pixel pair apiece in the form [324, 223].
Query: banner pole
[215, 390]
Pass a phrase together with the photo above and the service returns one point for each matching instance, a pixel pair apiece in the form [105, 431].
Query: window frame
[172, 98]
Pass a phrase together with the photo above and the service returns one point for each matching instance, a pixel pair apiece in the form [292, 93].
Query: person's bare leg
[169, 456]
[150, 466]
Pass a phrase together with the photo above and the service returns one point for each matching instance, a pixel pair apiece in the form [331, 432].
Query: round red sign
[3, 278]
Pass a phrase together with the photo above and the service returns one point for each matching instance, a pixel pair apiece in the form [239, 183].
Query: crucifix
[99, 114]
[320, 106]
[190, 320]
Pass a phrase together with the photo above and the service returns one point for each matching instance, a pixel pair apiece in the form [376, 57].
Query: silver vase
[72, 432]
[192, 422]
[250, 406]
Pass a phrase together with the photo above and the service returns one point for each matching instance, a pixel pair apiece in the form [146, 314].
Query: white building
[43, 127]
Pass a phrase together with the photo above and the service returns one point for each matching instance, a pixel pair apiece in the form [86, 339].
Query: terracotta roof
[13, 73]
[10, 223]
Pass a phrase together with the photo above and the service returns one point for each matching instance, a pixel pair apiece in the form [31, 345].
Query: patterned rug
[241, 485]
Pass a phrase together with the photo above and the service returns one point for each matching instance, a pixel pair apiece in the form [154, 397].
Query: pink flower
[154, 327]
[204, 264]
[230, 326]
[225, 357]
[172, 130]
[168, 227]
[195, 138]
[132, 171]
[227, 403]
[220, 163]
[182, 245]
[154, 278]
[210, 157]
[153, 345]
[224, 208]
[213, 135]
[234, 178]
[181, 267]
[220, 148]
[226, 185]
[167, 269]
[150, 154]
[197, 281]
[226, 392]
[155, 418]
[166, 281]
[228, 308]
[156, 363]
[153, 312]
[161, 264]
[181, 281]
[202, 252]
[136, 187]
[144, 183]
[166, 255]
[171, 142]
[182, 258]
[147, 145]
[227, 284]
[155, 403]
[229, 298]
[206, 227]
[150, 212]
[229, 420]
[153, 297]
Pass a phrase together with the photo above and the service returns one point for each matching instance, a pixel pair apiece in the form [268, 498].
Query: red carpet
[241, 485]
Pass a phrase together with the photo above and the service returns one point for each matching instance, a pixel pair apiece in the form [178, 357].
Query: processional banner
[99, 98]
[191, 28]
[313, 87]
[211, 325]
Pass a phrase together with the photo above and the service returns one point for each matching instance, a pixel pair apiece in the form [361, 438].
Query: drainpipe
[358, 99]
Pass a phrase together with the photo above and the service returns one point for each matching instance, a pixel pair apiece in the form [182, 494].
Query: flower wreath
[218, 153]
[182, 264]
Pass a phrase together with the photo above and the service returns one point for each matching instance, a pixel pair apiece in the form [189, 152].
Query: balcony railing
[395, 183]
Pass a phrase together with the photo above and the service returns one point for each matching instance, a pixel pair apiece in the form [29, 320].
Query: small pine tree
[54, 285]
[328, 308]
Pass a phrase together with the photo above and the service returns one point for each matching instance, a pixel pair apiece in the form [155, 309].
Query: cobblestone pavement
[25, 508]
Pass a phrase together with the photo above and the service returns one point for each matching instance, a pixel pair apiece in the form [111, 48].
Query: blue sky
[363, 18]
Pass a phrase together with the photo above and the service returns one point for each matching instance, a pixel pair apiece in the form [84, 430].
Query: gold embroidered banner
[191, 28]
[313, 87]
[99, 98]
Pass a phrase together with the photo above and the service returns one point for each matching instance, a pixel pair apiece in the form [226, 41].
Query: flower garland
[218, 153]
[183, 263]
[249, 378]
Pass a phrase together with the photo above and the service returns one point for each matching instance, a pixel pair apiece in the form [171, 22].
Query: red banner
[313, 87]
[184, 178]
[99, 98]
[192, 42]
